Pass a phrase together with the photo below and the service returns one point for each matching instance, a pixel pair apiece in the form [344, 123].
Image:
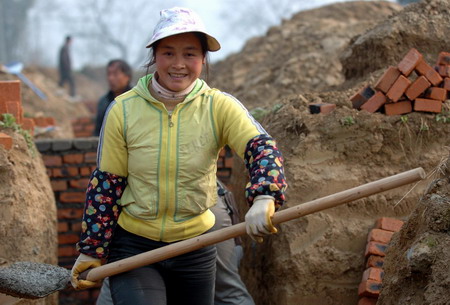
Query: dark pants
[67, 77]
[187, 279]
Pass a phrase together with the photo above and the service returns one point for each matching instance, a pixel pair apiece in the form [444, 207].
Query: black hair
[203, 43]
[123, 66]
[68, 38]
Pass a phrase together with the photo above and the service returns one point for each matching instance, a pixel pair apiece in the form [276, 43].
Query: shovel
[36, 280]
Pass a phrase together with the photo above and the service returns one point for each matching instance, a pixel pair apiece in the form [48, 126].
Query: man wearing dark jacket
[119, 76]
[65, 66]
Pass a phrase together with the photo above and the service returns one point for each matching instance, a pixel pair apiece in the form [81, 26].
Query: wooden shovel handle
[214, 237]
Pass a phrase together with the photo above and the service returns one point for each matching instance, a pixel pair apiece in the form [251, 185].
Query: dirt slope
[417, 265]
[28, 211]
[320, 259]
[300, 55]
[423, 25]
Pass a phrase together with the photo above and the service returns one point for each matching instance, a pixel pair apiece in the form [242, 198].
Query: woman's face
[179, 61]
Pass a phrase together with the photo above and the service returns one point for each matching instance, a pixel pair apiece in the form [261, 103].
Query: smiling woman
[156, 176]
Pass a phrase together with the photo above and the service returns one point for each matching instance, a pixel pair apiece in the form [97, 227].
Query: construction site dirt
[322, 56]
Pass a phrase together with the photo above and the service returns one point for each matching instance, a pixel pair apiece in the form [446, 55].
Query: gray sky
[132, 22]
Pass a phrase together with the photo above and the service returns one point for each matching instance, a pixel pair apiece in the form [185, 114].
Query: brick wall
[69, 164]
[83, 127]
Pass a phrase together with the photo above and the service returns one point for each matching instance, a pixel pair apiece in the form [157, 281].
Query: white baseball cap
[180, 20]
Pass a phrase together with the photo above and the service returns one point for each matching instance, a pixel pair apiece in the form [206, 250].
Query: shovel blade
[32, 280]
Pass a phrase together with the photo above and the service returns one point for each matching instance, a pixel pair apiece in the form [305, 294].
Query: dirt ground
[319, 259]
[28, 211]
[417, 265]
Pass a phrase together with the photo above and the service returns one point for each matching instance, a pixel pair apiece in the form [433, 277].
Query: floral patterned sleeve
[101, 212]
[265, 165]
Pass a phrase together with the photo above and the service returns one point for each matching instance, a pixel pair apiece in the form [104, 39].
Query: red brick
[375, 102]
[63, 227]
[67, 251]
[360, 97]
[436, 93]
[367, 301]
[50, 121]
[426, 70]
[6, 141]
[401, 107]
[90, 157]
[389, 224]
[52, 160]
[323, 108]
[374, 274]
[70, 213]
[379, 235]
[40, 122]
[76, 226]
[73, 158]
[443, 70]
[447, 84]
[71, 171]
[10, 91]
[409, 62]
[14, 108]
[387, 79]
[369, 288]
[68, 239]
[57, 173]
[58, 185]
[28, 124]
[417, 87]
[398, 88]
[83, 134]
[375, 261]
[72, 197]
[85, 120]
[443, 58]
[89, 128]
[79, 183]
[375, 248]
[93, 168]
[85, 171]
[426, 105]
[229, 162]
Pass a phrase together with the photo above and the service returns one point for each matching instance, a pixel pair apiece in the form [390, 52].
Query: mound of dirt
[319, 259]
[28, 210]
[301, 54]
[423, 25]
[417, 265]
[59, 105]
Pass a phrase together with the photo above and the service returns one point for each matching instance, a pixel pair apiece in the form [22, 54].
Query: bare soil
[28, 211]
[319, 259]
[417, 265]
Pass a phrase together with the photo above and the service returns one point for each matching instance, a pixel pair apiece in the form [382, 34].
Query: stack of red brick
[400, 91]
[11, 102]
[377, 243]
[83, 127]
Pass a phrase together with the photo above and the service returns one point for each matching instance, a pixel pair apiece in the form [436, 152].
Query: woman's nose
[178, 62]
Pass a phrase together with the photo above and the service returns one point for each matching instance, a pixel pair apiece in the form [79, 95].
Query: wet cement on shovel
[32, 280]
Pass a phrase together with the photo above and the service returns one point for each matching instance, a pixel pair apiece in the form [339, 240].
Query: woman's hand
[258, 218]
[83, 263]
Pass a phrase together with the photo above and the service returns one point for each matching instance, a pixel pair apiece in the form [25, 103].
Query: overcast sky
[51, 20]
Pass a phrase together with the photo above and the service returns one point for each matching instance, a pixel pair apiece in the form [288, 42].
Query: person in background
[65, 66]
[119, 75]
[155, 180]
[229, 287]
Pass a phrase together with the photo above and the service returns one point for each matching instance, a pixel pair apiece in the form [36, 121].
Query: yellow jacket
[170, 159]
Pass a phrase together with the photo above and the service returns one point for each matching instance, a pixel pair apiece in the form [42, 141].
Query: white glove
[83, 263]
[257, 219]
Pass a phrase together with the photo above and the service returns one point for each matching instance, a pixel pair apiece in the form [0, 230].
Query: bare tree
[13, 15]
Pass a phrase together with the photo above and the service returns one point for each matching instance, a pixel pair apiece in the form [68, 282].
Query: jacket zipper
[170, 120]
